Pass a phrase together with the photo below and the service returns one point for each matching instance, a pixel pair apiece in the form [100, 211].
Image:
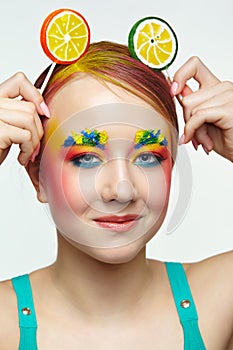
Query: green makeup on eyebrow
[146, 137]
[87, 137]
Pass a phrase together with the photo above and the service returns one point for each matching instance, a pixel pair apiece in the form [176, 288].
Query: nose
[116, 179]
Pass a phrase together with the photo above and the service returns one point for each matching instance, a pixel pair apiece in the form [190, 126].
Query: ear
[33, 172]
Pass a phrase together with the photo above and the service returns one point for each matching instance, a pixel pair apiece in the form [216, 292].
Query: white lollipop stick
[48, 75]
[169, 79]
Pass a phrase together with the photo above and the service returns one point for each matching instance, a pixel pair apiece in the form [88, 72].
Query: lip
[118, 223]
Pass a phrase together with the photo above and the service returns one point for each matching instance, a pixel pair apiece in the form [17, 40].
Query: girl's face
[106, 187]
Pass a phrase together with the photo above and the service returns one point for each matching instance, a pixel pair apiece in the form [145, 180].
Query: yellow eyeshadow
[76, 150]
[53, 134]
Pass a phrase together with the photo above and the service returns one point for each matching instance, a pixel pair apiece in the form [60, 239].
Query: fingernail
[37, 149]
[195, 144]
[174, 88]
[205, 149]
[33, 156]
[209, 147]
[35, 153]
[45, 109]
[182, 139]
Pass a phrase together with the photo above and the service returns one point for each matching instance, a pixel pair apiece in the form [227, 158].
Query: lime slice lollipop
[65, 36]
[153, 42]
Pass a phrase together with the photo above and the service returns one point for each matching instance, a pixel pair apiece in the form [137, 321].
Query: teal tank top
[181, 292]
[185, 306]
[26, 313]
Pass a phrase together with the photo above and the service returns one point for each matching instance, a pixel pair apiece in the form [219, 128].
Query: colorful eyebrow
[145, 137]
[87, 138]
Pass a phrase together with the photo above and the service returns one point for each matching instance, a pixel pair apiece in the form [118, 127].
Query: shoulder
[9, 329]
[8, 300]
[217, 270]
[211, 283]
[213, 278]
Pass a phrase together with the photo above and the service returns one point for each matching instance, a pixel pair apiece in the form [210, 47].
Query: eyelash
[157, 160]
[79, 161]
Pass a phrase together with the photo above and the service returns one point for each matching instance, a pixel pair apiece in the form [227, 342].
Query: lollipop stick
[45, 82]
[169, 79]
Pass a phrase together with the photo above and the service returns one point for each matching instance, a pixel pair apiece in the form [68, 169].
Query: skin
[19, 121]
[86, 290]
[117, 186]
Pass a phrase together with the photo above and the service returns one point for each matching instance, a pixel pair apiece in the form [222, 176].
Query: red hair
[112, 62]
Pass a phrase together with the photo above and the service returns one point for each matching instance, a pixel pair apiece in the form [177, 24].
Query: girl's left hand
[208, 112]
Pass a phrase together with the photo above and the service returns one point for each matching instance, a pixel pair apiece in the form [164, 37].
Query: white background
[204, 28]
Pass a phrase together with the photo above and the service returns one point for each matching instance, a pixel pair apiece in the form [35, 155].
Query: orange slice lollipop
[65, 36]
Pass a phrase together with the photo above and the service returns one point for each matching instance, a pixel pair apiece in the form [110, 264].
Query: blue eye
[148, 160]
[86, 161]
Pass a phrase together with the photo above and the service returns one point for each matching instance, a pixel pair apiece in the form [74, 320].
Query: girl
[102, 160]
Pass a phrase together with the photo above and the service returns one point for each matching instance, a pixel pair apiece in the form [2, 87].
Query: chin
[118, 255]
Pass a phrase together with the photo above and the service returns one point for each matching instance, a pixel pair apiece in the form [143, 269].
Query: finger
[21, 120]
[19, 85]
[3, 154]
[17, 136]
[27, 107]
[185, 102]
[194, 68]
[203, 138]
[221, 98]
[192, 99]
[214, 115]
[199, 100]
[202, 134]
[195, 143]
[186, 91]
[209, 95]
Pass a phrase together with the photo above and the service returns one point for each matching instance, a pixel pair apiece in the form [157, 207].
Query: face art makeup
[87, 137]
[84, 156]
[82, 145]
[146, 137]
[112, 192]
[152, 147]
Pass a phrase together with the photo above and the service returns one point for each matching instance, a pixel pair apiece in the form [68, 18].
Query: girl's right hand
[19, 118]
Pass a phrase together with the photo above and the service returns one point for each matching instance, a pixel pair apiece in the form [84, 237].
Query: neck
[100, 288]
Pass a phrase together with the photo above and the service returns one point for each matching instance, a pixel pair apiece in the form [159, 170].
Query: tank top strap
[26, 312]
[185, 306]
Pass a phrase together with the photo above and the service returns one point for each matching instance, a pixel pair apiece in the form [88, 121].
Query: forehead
[85, 92]
[88, 103]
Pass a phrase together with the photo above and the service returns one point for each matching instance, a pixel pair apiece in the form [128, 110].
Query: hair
[112, 62]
